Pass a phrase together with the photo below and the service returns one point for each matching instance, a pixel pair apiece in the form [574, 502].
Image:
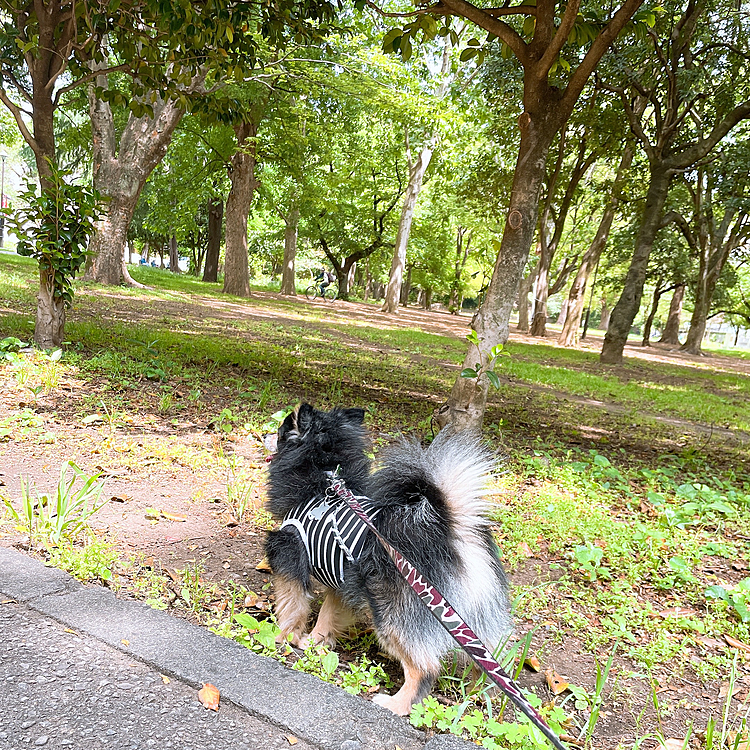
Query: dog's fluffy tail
[458, 465]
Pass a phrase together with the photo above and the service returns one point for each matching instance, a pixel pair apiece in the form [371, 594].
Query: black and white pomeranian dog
[428, 503]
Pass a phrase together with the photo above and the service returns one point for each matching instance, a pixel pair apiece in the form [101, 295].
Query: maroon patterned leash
[450, 619]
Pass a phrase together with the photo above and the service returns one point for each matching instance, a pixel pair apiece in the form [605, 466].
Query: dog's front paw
[316, 638]
[393, 703]
[293, 638]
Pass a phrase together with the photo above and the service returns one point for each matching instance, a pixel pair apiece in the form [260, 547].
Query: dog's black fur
[430, 510]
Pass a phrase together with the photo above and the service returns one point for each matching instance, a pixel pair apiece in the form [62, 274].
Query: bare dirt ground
[169, 492]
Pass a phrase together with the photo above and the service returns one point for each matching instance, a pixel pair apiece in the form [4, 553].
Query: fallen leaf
[164, 678]
[173, 517]
[724, 690]
[291, 739]
[677, 612]
[120, 498]
[524, 551]
[125, 642]
[71, 631]
[263, 565]
[533, 663]
[557, 684]
[92, 419]
[7, 601]
[251, 600]
[153, 514]
[174, 575]
[734, 643]
[209, 696]
[673, 744]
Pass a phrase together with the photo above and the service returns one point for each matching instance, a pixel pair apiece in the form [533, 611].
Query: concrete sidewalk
[101, 685]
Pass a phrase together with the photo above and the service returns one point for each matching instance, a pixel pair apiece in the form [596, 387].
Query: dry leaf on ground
[734, 643]
[209, 696]
[556, 682]
[533, 663]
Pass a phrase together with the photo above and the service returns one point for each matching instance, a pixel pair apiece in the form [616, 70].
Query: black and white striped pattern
[332, 534]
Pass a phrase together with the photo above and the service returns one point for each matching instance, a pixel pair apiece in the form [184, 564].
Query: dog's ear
[289, 424]
[305, 417]
[355, 416]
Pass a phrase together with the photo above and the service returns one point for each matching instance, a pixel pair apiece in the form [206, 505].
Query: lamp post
[2, 202]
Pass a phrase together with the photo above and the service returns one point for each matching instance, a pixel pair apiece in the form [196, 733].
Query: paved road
[59, 689]
[81, 669]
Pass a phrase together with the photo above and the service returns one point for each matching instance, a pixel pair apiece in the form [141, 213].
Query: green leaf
[468, 372]
[467, 54]
[494, 379]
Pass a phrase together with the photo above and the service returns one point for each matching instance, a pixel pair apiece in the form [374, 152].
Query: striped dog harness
[332, 534]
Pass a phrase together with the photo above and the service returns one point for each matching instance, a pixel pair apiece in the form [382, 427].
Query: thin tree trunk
[236, 269]
[398, 263]
[174, 259]
[406, 288]
[576, 296]
[290, 251]
[215, 219]
[604, 315]
[671, 332]
[649, 324]
[629, 303]
[526, 285]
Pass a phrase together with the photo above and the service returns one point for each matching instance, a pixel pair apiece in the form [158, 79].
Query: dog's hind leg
[292, 608]
[335, 619]
[418, 683]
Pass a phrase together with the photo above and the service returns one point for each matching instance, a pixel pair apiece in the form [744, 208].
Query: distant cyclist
[326, 278]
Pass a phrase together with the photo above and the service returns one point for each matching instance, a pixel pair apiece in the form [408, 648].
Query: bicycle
[313, 292]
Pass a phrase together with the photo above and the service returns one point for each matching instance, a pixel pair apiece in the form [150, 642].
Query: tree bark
[671, 332]
[174, 259]
[290, 251]
[120, 171]
[526, 285]
[49, 331]
[236, 269]
[629, 303]
[215, 219]
[649, 323]
[416, 176]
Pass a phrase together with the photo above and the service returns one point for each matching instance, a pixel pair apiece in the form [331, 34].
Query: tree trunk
[215, 219]
[541, 289]
[49, 331]
[629, 303]
[604, 316]
[563, 312]
[576, 296]
[713, 256]
[468, 398]
[416, 175]
[406, 288]
[236, 270]
[120, 171]
[174, 259]
[290, 251]
[649, 324]
[671, 332]
[526, 285]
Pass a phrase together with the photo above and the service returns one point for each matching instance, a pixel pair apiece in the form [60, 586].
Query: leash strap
[450, 619]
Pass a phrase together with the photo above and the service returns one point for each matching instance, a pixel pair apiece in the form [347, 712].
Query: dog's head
[324, 439]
